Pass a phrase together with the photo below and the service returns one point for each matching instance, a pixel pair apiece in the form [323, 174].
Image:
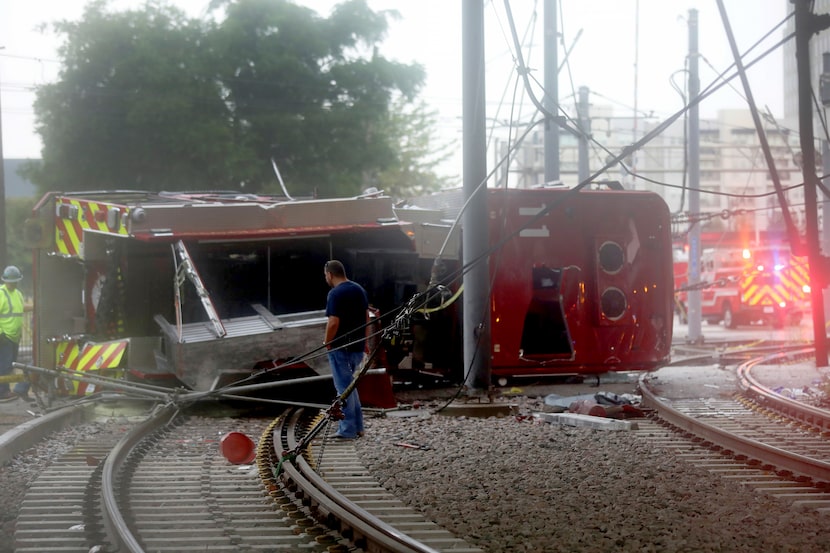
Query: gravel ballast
[514, 484]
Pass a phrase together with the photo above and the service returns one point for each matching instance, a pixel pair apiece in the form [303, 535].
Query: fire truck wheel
[728, 316]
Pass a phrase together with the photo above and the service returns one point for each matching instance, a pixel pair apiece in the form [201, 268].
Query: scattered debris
[596, 423]
[600, 404]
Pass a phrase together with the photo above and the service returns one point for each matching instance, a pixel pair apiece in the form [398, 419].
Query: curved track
[335, 487]
[745, 430]
[159, 483]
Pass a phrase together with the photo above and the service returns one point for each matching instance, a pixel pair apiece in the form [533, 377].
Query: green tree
[153, 100]
[412, 170]
[135, 106]
[17, 211]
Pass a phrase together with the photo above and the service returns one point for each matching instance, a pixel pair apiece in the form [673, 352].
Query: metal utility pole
[475, 238]
[585, 132]
[634, 133]
[806, 24]
[694, 316]
[824, 93]
[825, 211]
[551, 100]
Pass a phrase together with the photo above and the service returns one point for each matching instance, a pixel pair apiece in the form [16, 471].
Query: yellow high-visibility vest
[11, 313]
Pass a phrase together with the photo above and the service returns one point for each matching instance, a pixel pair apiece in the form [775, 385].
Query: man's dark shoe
[339, 436]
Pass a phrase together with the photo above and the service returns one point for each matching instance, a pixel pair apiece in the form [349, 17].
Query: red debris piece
[237, 448]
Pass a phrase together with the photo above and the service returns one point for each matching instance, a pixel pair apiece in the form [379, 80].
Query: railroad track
[330, 478]
[158, 483]
[747, 432]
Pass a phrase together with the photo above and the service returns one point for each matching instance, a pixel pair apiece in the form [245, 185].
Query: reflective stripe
[74, 217]
[11, 316]
[103, 355]
[788, 287]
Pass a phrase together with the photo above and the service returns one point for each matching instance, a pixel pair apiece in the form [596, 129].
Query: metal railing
[24, 354]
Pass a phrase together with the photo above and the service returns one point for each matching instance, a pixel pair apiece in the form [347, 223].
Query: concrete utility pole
[475, 238]
[551, 99]
[807, 24]
[694, 315]
[824, 93]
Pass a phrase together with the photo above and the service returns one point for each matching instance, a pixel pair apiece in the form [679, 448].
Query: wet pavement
[704, 380]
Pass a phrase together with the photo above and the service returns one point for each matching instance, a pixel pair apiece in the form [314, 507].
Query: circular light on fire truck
[613, 303]
[611, 257]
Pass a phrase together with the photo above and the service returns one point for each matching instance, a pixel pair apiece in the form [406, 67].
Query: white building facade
[736, 186]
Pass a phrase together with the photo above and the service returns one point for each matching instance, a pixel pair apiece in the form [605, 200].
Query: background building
[737, 187]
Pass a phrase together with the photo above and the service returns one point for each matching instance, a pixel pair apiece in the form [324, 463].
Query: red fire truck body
[204, 289]
[582, 281]
[748, 285]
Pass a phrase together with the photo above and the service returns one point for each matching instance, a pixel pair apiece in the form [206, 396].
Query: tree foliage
[151, 99]
[412, 171]
[17, 211]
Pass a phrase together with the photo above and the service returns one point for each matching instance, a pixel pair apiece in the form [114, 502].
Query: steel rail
[814, 416]
[752, 449]
[117, 528]
[380, 536]
[23, 436]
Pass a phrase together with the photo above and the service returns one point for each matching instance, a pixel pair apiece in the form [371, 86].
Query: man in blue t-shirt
[347, 311]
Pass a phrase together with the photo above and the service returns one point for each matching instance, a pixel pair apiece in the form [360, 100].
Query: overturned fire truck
[206, 289]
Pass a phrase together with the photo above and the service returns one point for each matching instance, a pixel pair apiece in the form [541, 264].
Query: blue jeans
[8, 355]
[344, 365]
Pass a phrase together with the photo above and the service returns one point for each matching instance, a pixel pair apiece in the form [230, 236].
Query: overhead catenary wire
[722, 79]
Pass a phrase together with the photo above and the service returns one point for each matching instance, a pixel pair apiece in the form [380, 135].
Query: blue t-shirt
[348, 302]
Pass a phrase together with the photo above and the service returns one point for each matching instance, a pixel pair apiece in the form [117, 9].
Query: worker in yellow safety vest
[12, 307]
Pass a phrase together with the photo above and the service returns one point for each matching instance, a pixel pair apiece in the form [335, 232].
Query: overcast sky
[614, 50]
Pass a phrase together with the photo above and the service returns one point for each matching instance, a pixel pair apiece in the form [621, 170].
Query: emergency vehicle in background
[748, 285]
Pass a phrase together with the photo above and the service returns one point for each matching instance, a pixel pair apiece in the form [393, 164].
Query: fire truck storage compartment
[270, 298]
[544, 331]
[59, 287]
